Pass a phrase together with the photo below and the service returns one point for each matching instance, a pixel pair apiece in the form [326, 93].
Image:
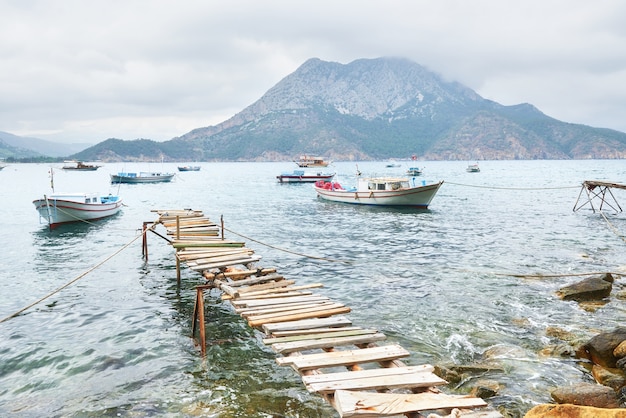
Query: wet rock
[591, 288]
[447, 374]
[485, 389]
[621, 363]
[586, 394]
[558, 350]
[573, 411]
[620, 350]
[599, 350]
[613, 378]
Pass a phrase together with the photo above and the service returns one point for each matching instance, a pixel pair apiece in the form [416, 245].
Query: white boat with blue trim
[60, 208]
[381, 191]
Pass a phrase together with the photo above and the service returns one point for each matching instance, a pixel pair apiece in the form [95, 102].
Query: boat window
[371, 186]
[395, 186]
[381, 186]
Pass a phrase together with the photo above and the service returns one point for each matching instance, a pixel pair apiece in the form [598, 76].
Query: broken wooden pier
[600, 192]
[349, 366]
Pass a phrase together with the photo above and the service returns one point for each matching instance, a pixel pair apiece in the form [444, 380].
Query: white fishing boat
[189, 168]
[473, 168]
[302, 176]
[142, 177]
[79, 166]
[60, 208]
[308, 161]
[414, 171]
[381, 191]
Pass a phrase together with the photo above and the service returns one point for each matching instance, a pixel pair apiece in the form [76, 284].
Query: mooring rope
[57, 290]
[288, 251]
[513, 188]
[611, 227]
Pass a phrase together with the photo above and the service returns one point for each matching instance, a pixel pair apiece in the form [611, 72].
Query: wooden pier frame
[599, 190]
[309, 332]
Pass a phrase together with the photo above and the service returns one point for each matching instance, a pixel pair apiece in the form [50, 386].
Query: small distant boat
[301, 176]
[382, 191]
[142, 177]
[308, 161]
[392, 164]
[79, 166]
[414, 171]
[189, 168]
[473, 168]
[63, 208]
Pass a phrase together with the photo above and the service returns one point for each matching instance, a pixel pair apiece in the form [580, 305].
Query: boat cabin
[383, 183]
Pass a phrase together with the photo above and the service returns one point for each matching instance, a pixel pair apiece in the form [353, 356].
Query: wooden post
[200, 302]
[222, 222]
[144, 248]
[177, 270]
[177, 227]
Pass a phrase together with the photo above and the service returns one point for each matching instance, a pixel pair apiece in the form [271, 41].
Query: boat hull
[189, 168]
[56, 210]
[141, 178]
[415, 197]
[294, 178]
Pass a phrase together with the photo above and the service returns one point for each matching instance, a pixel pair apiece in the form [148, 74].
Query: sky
[76, 71]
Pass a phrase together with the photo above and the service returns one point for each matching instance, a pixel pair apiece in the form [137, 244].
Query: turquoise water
[442, 282]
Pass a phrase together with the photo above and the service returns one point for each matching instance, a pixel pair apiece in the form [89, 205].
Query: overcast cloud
[85, 71]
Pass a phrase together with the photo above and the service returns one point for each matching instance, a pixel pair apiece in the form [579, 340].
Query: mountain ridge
[374, 109]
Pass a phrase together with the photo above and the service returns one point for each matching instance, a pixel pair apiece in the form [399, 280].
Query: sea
[470, 280]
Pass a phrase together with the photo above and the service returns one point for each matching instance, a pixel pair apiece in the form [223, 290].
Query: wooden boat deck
[345, 364]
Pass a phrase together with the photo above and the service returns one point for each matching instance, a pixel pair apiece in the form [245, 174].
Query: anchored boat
[301, 176]
[62, 208]
[142, 177]
[381, 191]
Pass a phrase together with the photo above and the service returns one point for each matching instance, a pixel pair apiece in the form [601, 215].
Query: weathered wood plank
[294, 317]
[279, 289]
[304, 345]
[277, 301]
[262, 287]
[333, 332]
[374, 379]
[307, 324]
[304, 332]
[375, 405]
[247, 312]
[206, 243]
[326, 306]
[259, 279]
[244, 260]
[344, 357]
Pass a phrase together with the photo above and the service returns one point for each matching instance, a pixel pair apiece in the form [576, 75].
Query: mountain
[375, 109]
[26, 147]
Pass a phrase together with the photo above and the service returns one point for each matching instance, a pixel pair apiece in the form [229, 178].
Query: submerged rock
[573, 411]
[586, 394]
[589, 289]
[599, 350]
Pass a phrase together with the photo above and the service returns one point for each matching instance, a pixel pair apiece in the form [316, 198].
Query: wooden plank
[311, 331]
[306, 324]
[374, 379]
[246, 312]
[246, 260]
[333, 332]
[246, 291]
[295, 317]
[278, 289]
[234, 275]
[219, 258]
[259, 279]
[304, 345]
[275, 296]
[276, 301]
[207, 243]
[344, 357]
[373, 405]
[295, 310]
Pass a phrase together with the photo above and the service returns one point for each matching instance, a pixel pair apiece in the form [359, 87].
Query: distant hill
[25, 147]
[373, 109]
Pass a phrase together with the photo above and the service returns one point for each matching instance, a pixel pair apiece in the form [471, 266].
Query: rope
[611, 227]
[513, 188]
[73, 280]
[540, 276]
[289, 251]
